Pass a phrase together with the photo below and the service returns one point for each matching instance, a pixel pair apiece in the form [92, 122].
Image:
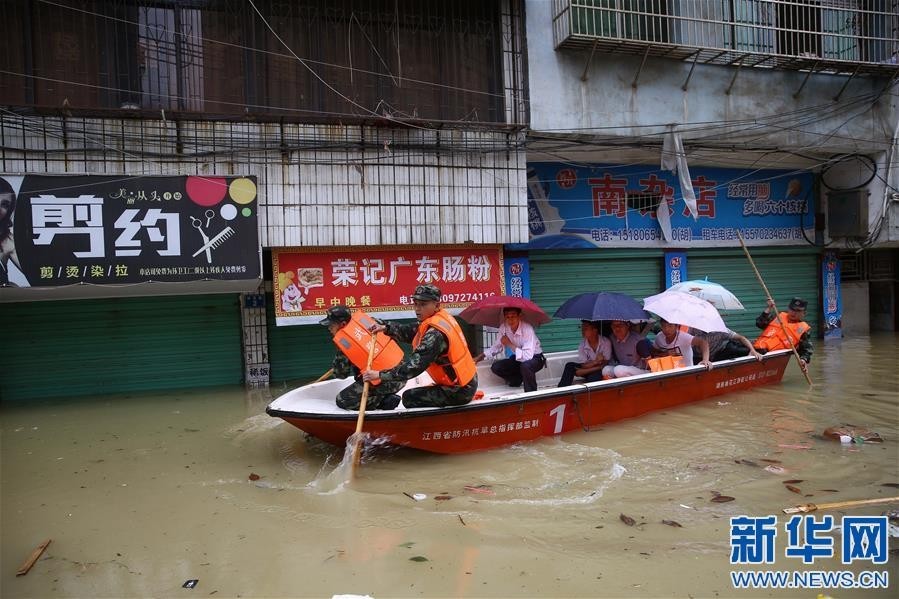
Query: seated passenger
[593, 353]
[727, 345]
[627, 359]
[672, 341]
[523, 355]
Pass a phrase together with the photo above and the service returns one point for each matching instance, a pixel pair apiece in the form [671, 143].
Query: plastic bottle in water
[543, 218]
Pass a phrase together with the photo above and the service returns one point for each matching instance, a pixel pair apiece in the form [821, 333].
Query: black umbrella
[602, 305]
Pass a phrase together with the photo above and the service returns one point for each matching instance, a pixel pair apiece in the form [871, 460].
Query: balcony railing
[829, 36]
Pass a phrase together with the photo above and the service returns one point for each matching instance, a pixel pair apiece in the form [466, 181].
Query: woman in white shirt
[523, 355]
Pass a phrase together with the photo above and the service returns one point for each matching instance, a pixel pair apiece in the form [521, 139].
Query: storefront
[122, 284]
[598, 228]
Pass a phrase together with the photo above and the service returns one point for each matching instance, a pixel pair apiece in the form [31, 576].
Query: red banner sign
[308, 281]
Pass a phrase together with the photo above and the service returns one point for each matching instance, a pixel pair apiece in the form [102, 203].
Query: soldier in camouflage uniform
[432, 349]
[380, 397]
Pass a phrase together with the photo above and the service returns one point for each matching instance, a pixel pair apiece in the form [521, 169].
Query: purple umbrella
[602, 305]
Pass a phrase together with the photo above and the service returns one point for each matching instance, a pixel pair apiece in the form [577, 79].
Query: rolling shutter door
[558, 275]
[98, 346]
[298, 352]
[788, 272]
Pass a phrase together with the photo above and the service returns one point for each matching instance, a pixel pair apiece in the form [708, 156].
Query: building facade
[350, 125]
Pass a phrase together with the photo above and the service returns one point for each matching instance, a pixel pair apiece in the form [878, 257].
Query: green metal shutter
[558, 275]
[298, 352]
[98, 346]
[787, 272]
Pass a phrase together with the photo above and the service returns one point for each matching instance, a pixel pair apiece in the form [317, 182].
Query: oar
[357, 450]
[811, 507]
[774, 307]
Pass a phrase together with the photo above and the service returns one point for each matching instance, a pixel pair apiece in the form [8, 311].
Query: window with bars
[335, 59]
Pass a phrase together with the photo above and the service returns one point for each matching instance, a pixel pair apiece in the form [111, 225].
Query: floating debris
[774, 469]
[418, 558]
[722, 498]
[746, 462]
[627, 519]
[254, 476]
[796, 490]
[793, 481]
[673, 523]
[443, 497]
[484, 489]
[849, 433]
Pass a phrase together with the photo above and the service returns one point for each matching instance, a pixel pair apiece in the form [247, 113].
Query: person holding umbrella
[519, 344]
[593, 353]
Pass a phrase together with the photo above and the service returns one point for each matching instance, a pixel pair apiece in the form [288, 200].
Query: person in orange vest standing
[351, 359]
[774, 336]
[438, 347]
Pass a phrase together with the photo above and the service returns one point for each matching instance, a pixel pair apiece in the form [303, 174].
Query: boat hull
[524, 417]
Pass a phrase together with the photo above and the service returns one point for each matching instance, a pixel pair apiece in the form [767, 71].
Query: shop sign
[518, 277]
[832, 297]
[77, 230]
[615, 206]
[308, 281]
[675, 268]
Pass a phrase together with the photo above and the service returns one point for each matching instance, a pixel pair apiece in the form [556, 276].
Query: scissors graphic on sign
[197, 224]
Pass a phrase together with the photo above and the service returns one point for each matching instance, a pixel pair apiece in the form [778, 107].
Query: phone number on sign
[464, 297]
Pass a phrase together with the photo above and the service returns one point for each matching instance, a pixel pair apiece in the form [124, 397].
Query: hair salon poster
[106, 230]
[589, 206]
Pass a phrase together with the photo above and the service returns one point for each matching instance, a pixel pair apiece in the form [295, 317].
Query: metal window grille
[345, 60]
[836, 36]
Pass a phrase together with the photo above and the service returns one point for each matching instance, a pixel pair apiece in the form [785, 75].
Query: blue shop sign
[615, 206]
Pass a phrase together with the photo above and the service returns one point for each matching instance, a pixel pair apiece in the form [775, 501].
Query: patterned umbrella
[713, 293]
[602, 305]
[489, 311]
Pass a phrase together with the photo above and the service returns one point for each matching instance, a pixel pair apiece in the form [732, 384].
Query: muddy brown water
[142, 493]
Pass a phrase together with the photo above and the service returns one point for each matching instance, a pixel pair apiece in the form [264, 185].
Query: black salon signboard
[102, 230]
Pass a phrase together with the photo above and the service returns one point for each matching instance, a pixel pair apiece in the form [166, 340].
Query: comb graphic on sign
[214, 243]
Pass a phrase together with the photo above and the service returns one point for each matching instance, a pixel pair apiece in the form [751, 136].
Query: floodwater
[142, 493]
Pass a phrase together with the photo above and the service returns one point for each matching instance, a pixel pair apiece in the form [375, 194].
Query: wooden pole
[324, 376]
[32, 558]
[811, 507]
[357, 450]
[774, 307]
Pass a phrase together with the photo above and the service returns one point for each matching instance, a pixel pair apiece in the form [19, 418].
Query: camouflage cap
[797, 303]
[427, 293]
[336, 315]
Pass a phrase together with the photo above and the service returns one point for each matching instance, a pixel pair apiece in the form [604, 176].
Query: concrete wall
[856, 313]
[561, 100]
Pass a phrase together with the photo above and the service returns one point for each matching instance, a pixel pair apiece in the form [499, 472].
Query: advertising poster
[75, 230]
[518, 277]
[616, 206]
[832, 299]
[308, 281]
[675, 268]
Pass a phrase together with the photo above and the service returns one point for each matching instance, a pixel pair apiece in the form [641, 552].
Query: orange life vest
[354, 341]
[773, 337]
[459, 357]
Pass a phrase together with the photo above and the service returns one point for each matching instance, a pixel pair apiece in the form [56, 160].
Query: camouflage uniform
[350, 397]
[432, 349]
[381, 395]
[804, 348]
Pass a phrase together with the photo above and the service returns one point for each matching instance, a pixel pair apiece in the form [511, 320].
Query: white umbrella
[679, 307]
[713, 293]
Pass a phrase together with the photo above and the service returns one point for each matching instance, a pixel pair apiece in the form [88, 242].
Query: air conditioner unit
[847, 213]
